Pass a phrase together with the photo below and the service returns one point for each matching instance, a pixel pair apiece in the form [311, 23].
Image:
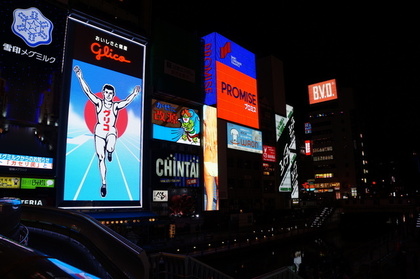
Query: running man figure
[105, 134]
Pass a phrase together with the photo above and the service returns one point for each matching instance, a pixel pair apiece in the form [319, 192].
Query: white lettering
[32, 202]
[322, 91]
[172, 167]
[235, 61]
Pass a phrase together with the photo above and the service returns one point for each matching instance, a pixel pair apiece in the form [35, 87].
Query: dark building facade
[334, 157]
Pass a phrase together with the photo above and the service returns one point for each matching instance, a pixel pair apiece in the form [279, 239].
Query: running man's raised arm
[122, 104]
[84, 85]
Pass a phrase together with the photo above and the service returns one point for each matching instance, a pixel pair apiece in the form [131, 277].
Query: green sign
[32, 183]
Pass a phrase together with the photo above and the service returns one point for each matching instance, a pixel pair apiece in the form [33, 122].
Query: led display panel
[322, 91]
[103, 159]
[308, 147]
[243, 138]
[174, 169]
[32, 36]
[286, 145]
[9, 182]
[283, 143]
[269, 153]
[33, 183]
[230, 80]
[175, 123]
[210, 158]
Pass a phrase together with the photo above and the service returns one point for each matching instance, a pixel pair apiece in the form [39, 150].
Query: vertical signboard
[103, 162]
[31, 36]
[286, 144]
[308, 147]
[30, 65]
[282, 145]
[175, 123]
[230, 80]
[210, 158]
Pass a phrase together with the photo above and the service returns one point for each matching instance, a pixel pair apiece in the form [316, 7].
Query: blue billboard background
[82, 176]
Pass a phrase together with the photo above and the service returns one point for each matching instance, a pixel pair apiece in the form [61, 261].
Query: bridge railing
[168, 266]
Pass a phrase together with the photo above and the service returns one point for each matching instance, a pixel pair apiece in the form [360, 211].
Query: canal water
[349, 249]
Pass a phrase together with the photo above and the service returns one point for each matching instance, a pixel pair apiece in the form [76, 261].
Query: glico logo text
[107, 52]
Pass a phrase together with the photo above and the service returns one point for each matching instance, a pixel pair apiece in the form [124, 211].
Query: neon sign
[107, 52]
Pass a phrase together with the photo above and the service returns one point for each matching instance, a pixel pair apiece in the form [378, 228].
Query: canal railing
[172, 266]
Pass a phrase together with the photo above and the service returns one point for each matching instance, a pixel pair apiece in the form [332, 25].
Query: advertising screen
[210, 158]
[269, 153]
[283, 143]
[243, 138]
[308, 147]
[322, 91]
[175, 123]
[9, 182]
[286, 145]
[176, 169]
[230, 80]
[103, 162]
[33, 183]
[31, 36]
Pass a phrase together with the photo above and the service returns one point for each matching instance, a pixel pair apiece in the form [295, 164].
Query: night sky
[373, 49]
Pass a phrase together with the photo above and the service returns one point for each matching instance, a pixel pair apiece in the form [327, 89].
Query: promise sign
[322, 91]
[230, 80]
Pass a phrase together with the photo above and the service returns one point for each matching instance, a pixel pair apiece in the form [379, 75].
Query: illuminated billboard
[230, 80]
[175, 123]
[33, 183]
[286, 145]
[269, 153]
[308, 147]
[24, 161]
[174, 169]
[210, 158]
[103, 159]
[176, 183]
[31, 36]
[322, 91]
[243, 138]
[9, 182]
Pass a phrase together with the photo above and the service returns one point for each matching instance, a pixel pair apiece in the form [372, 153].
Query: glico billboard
[230, 80]
[322, 91]
[103, 156]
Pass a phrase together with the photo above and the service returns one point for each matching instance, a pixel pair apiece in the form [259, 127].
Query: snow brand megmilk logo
[32, 26]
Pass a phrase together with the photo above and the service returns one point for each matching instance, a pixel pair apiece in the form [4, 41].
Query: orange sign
[237, 99]
[322, 91]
